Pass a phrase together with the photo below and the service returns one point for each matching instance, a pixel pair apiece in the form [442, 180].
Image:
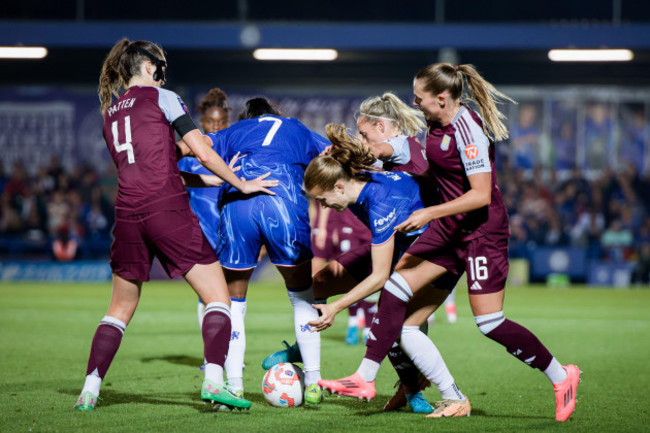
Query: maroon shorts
[348, 240]
[436, 247]
[358, 261]
[486, 264]
[329, 251]
[174, 236]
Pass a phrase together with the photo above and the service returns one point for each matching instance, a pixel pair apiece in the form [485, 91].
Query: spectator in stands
[588, 228]
[616, 240]
[10, 221]
[598, 137]
[64, 246]
[525, 137]
[641, 273]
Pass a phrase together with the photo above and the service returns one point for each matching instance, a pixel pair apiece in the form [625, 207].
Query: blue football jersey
[279, 145]
[204, 201]
[386, 201]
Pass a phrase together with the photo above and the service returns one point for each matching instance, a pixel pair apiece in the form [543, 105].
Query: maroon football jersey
[417, 164]
[455, 152]
[142, 143]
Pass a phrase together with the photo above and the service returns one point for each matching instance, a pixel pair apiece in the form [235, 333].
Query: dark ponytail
[257, 107]
[120, 65]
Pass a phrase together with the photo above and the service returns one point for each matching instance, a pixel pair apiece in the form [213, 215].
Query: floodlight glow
[295, 54]
[22, 52]
[591, 55]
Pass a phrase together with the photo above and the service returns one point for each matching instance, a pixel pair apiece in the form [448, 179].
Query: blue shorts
[278, 224]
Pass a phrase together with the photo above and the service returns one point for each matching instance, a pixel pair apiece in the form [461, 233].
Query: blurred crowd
[610, 215]
[64, 213]
[68, 214]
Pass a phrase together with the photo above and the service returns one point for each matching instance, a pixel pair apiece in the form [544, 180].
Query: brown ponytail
[120, 65]
[439, 77]
[345, 160]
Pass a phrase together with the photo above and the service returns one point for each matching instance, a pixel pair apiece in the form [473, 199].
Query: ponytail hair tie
[456, 68]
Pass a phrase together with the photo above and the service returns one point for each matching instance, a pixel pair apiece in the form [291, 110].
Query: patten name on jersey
[385, 222]
[127, 103]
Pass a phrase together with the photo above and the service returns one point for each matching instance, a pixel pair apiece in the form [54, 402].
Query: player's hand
[415, 221]
[234, 160]
[325, 320]
[258, 185]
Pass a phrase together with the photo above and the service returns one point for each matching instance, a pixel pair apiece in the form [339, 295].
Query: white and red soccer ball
[283, 385]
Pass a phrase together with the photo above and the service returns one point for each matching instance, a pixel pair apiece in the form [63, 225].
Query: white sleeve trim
[401, 150]
[171, 104]
[473, 146]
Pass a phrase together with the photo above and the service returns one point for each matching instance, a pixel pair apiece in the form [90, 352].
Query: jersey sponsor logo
[471, 151]
[444, 144]
[180, 101]
[391, 175]
[382, 224]
[476, 286]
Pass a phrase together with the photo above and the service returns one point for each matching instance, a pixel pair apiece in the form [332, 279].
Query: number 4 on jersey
[128, 147]
[272, 131]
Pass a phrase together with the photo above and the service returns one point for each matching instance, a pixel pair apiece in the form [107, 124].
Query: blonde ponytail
[487, 97]
[439, 77]
[388, 106]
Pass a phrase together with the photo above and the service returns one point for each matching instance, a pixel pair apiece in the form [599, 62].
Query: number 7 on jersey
[128, 147]
[272, 131]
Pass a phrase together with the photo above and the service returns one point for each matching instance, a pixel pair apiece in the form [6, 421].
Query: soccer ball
[283, 385]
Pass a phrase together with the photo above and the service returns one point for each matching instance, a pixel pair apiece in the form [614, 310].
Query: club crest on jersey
[471, 151]
[444, 144]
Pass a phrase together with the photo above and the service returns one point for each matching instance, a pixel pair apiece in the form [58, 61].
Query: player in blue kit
[282, 146]
[381, 200]
[214, 112]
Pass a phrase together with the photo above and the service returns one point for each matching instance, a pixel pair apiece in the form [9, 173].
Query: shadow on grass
[176, 359]
[110, 398]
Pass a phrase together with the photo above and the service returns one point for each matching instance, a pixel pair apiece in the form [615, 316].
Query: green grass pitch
[153, 384]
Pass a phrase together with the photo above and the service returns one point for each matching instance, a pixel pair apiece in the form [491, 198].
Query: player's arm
[382, 256]
[478, 196]
[479, 174]
[195, 180]
[182, 150]
[201, 147]
[382, 150]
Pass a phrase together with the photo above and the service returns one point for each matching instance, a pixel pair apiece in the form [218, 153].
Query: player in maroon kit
[469, 226]
[153, 215]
